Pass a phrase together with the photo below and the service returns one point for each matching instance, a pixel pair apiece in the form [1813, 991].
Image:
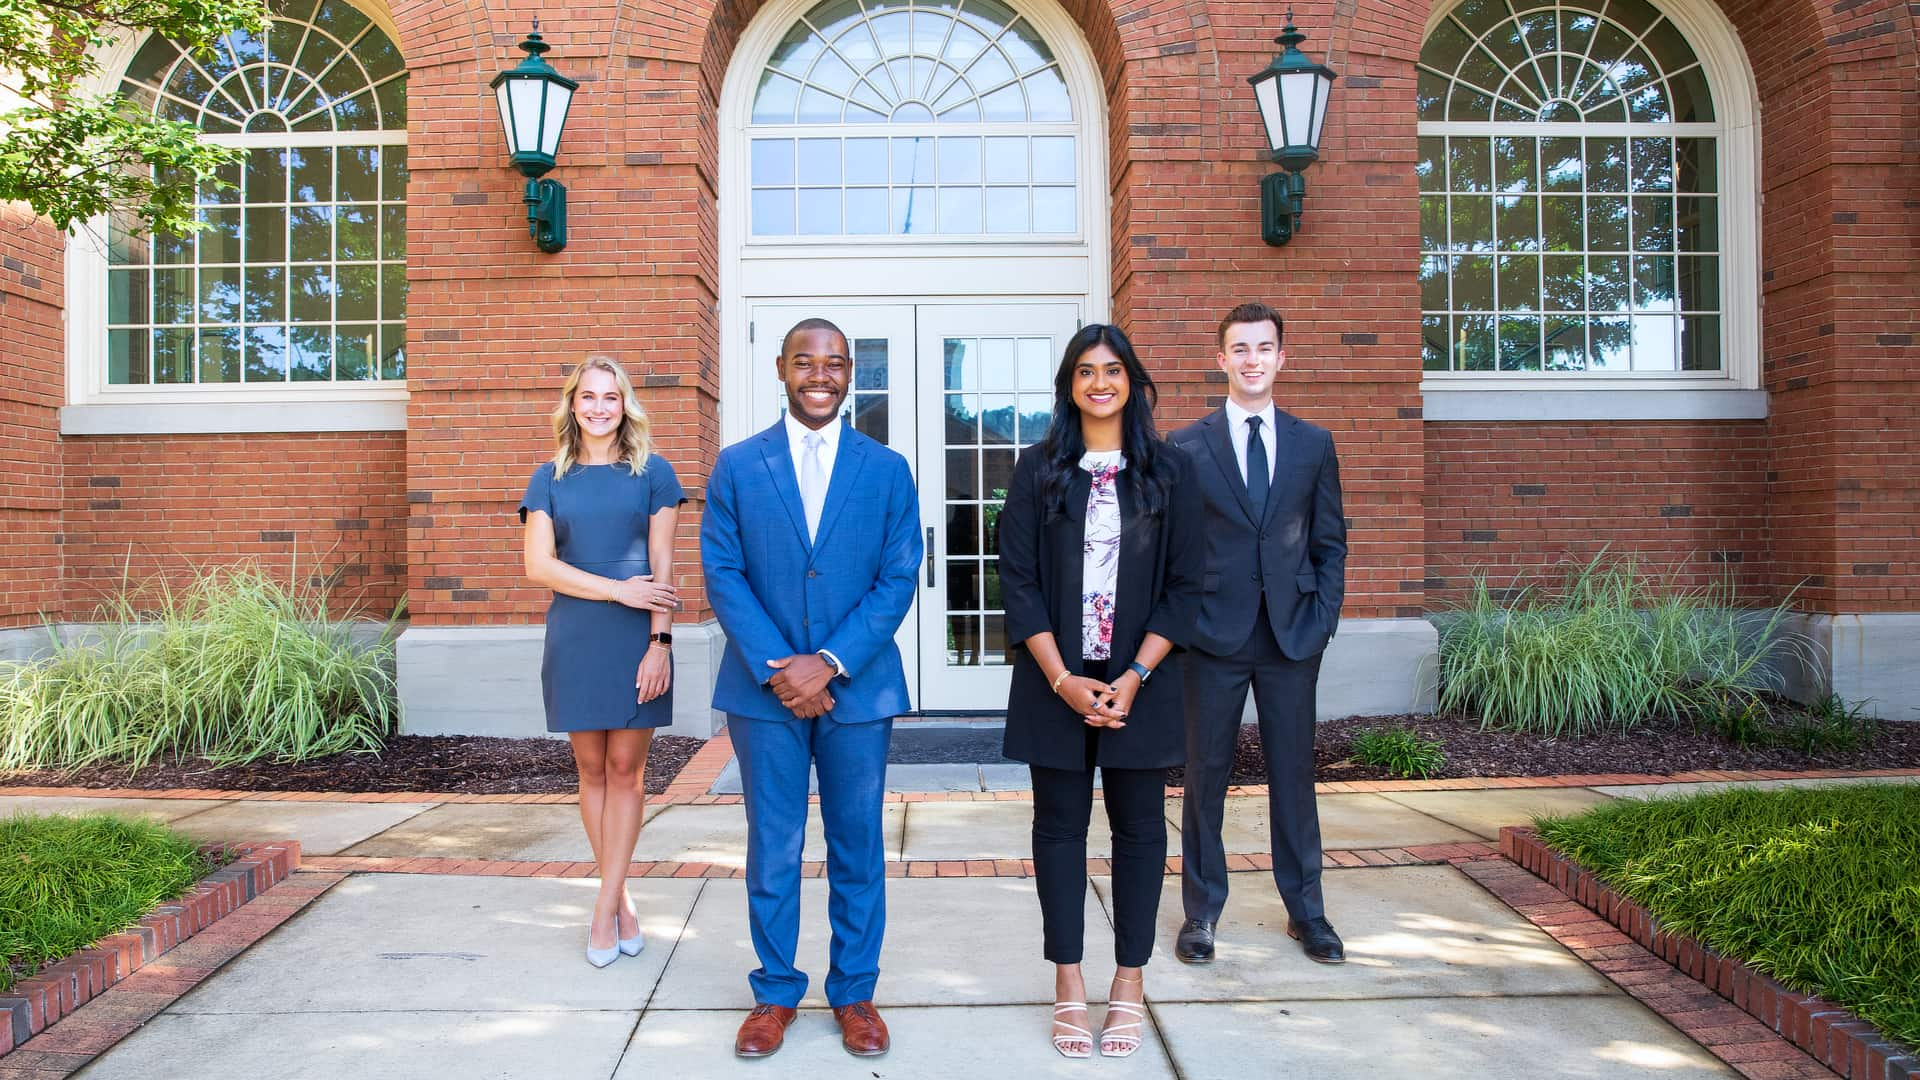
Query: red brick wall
[1841, 262]
[315, 504]
[1687, 500]
[32, 388]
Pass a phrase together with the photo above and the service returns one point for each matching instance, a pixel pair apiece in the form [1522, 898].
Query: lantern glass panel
[557, 99]
[1267, 93]
[525, 95]
[1296, 105]
[506, 113]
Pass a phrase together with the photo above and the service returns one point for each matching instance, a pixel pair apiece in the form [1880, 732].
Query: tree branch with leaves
[73, 155]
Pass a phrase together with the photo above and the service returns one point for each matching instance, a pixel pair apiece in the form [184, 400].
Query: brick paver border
[1763, 1029]
[691, 786]
[1416, 855]
[122, 967]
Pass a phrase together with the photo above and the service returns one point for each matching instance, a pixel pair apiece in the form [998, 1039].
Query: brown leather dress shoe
[764, 1029]
[862, 1031]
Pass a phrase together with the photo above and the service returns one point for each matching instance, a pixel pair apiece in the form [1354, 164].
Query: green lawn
[1818, 887]
[66, 882]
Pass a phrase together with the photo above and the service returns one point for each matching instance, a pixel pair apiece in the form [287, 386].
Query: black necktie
[1256, 468]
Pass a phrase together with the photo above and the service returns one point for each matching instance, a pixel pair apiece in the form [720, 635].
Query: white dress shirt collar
[1237, 431]
[797, 433]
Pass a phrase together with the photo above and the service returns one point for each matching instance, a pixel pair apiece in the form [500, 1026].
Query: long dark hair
[1140, 441]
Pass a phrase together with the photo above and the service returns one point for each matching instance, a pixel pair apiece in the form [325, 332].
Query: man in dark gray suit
[1270, 599]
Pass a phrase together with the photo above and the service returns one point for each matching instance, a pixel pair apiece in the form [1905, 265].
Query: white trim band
[235, 417]
[1442, 405]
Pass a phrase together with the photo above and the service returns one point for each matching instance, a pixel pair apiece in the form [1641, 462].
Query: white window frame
[1731, 393]
[95, 407]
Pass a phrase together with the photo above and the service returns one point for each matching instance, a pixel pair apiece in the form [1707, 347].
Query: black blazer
[1295, 554]
[1158, 590]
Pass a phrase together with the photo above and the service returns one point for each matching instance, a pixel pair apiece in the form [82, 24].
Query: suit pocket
[1210, 583]
[1307, 583]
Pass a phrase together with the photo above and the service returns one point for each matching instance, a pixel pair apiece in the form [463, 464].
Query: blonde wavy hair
[633, 440]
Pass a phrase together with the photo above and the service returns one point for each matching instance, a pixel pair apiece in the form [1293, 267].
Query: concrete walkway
[444, 975]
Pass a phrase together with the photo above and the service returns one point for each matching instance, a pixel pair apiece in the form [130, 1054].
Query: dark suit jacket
[1158, 588]
[1295, 555]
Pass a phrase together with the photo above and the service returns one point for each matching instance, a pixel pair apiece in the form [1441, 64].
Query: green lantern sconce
[1292, 94]
[533, 100]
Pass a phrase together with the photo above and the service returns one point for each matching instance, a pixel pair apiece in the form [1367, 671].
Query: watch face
[662, 638]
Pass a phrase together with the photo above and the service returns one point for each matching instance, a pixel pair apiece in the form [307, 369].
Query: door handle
[929, 556]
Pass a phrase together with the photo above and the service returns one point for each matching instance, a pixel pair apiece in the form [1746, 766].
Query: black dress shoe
[1316, 936]
[1196, 942]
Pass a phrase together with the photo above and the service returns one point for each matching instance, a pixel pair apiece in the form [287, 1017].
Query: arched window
[965, 126]
[1575, 200]
[300, 275]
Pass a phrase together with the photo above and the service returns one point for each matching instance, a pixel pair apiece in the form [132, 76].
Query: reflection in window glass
[300, 273]
[1596, 250]
[927, 72]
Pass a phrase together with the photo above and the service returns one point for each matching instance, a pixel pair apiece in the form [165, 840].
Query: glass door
[985, 375]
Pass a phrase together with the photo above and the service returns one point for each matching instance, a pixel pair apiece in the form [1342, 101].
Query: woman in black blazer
[1100, 562]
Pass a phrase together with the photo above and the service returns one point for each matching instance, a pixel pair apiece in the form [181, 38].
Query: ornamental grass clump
[236, 666]
[67, 882]
[1817, 887]
[1609, 649]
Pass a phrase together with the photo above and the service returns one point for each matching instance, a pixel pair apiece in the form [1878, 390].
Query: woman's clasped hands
[1100, 704]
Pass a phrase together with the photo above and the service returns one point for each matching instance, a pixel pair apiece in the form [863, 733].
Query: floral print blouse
[1101, 568]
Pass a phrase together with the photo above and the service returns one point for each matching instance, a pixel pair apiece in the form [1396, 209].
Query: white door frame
[896, 269]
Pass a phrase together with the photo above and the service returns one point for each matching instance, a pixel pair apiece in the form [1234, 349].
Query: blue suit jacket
[778, 595]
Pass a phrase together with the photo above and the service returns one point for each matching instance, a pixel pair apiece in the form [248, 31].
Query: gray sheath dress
[600, 517]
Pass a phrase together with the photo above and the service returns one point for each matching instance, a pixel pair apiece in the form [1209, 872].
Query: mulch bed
[462, 764]
[1657, 749]
[478, 765]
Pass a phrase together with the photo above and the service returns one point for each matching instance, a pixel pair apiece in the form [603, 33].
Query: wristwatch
[1141, 670]
[661, 636]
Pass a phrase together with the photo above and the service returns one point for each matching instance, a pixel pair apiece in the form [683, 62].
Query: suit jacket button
[1256, 579]
[813, 573]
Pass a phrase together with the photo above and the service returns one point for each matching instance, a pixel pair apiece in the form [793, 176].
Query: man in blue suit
[811, 547]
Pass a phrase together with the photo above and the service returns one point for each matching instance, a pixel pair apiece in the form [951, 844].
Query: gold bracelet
[1060, 678]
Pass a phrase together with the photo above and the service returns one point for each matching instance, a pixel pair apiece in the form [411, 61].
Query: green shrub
[1607, 649]
[66, 882]
[1399, 750]
[1818, 887]
[235, 667]
[1827, 725]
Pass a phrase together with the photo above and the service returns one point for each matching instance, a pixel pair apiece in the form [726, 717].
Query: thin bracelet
[1058, 679]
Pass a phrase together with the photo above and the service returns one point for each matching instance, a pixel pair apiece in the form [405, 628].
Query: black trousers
[1283, 699]
[1136, 809]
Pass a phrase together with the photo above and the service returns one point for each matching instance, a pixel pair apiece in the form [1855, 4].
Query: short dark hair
[1249, 312]
[812, 324]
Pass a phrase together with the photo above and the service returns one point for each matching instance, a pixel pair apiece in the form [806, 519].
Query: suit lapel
[846, 477]
[1286, 447]
[778, 458]
[1220, 441]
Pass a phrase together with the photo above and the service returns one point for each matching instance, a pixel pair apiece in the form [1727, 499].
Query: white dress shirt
[1237, 431]
[797, 433]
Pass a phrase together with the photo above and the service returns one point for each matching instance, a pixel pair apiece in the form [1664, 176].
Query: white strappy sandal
[1066, 1043]
[1116, 1040]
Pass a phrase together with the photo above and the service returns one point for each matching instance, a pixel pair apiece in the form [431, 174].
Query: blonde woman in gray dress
[600, 521]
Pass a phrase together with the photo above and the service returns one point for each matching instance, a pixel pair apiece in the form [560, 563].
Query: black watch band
[661, 636]
[1141, 670]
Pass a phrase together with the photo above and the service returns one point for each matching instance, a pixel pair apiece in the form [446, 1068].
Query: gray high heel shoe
[602, 957]
[630, 945]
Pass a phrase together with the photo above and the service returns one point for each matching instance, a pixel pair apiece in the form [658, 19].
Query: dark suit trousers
[1283, 697]
[1136, 810]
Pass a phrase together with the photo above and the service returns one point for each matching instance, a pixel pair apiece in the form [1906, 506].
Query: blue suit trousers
[852, 763]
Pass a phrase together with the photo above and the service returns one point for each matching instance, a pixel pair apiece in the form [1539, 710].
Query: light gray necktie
[813, 482]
